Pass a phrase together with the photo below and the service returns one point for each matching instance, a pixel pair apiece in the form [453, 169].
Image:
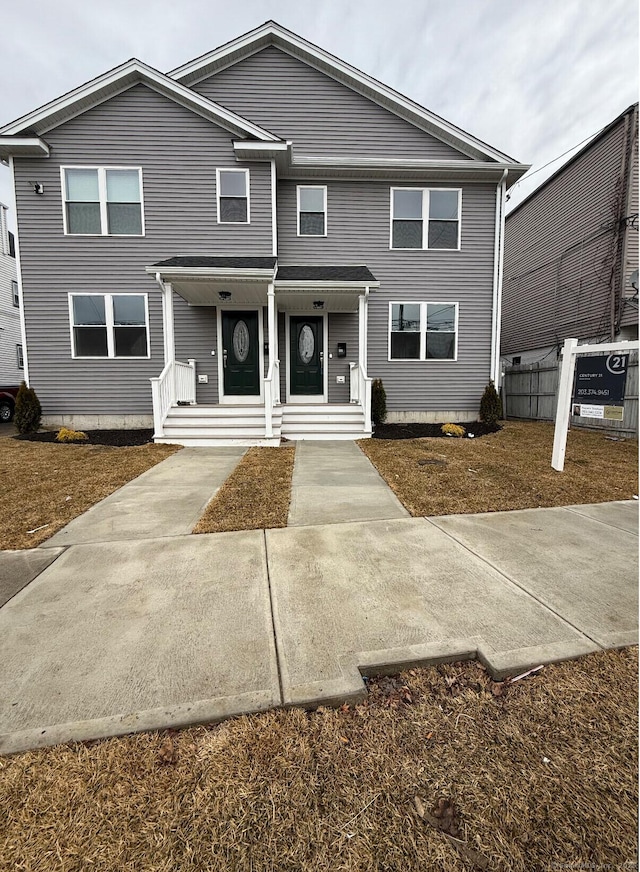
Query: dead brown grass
[506, 470]
[256, 495]
[47, 485]
[543, 776]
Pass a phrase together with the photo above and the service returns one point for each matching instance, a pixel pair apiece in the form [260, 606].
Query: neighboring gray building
[11, 352]
[234, 250]
[571, 249]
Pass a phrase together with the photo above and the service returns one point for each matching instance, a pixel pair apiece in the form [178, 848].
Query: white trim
[274, 209]
[271, 33]
[322, 188]
[423, 331]
[109, 326]
[234, 399]
[303, 399]
[426, 205]
[496, 302]
[16, 241]
[334, 286]
[247, 189]
[228, 274]
[131, 73]
[102, 194]
[25, 146]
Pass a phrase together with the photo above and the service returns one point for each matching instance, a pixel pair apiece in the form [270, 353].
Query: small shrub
[490, 405]
[378, 402]
[28, 412]
[453, 430]
[66, 435]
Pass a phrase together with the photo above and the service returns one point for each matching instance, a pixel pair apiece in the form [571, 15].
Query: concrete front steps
[207, 426]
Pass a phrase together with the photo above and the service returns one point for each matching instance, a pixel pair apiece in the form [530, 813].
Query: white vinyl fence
[529, 391]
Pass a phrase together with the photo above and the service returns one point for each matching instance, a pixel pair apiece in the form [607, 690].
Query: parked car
[7, 404]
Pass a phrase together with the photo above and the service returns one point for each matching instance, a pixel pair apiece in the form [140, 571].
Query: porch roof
[346, 274]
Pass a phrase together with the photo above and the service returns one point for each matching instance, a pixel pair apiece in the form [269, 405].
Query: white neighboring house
[11, 355]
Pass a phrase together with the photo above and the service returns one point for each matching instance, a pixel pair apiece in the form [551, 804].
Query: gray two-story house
[234, 250]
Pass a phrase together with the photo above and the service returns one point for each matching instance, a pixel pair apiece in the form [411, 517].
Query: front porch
[281, 352]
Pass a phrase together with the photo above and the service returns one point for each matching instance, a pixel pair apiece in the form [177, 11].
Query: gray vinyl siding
[10, 335]
[559, 248]
[358, 233]
[321, 115]
[343, 327]
[179, 153]
[196, 337]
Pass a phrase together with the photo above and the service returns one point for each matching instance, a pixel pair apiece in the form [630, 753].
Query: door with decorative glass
[240, 354]
[306, 356]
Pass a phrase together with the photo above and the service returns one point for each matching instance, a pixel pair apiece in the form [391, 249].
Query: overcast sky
[531, 77]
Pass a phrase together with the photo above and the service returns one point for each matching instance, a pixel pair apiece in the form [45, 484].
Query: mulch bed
[116, 438]
[439, 768]
[256, 495]
[433, 431]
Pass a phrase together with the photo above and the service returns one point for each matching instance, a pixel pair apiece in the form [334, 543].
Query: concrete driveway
[113, 637]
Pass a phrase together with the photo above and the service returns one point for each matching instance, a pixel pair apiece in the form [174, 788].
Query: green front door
[240, 354]
[306, 356]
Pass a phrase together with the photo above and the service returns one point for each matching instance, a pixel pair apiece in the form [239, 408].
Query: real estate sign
[599, 387]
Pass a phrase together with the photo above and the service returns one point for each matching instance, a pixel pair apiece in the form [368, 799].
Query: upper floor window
[312, 210]
[103, 201]
[423, 331]
[109, 325]
[232, 191]
[19, 357]
[14, 293]
[425, 218]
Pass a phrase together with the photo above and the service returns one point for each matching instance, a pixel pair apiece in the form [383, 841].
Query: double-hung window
[102, 201]
[19, 357]
[312, 210]
[425, 218]
[15, 296]
[109, 325]
[423, 331]
[232, 189]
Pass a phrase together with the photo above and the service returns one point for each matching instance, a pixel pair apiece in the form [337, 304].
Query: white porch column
[271, 325]
[362, 331]
[167, 323]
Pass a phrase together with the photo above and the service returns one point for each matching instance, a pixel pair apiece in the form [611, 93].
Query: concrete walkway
[334, 481]
[166, 500]
[112, 637]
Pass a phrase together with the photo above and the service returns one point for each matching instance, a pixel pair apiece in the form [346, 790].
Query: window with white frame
[103, 201]
[423, 331]
[312, 210]
[19, 357]
[232, 188]
[109, 325]
[14, 293]
[425, 218]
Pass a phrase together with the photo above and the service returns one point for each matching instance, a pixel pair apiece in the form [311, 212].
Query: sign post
[599, 388]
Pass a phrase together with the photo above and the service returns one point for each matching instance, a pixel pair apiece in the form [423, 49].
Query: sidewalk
[115, 637]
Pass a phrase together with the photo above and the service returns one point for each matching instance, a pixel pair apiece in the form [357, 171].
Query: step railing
[271, 396]
[176, 383]
[360, 391]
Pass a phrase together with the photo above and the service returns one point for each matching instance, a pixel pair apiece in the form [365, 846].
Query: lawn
[506, 470]
[256, 495]
[47, 485]
[439, 768]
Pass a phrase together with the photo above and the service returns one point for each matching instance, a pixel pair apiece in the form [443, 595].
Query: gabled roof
[272, 34]
[116, 81]
[573, 159]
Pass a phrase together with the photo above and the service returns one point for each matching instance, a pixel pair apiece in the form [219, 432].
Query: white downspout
[498, 251]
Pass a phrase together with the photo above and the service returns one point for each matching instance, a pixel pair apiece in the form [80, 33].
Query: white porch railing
[271, 396]
[176, 383]
[360, 391]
